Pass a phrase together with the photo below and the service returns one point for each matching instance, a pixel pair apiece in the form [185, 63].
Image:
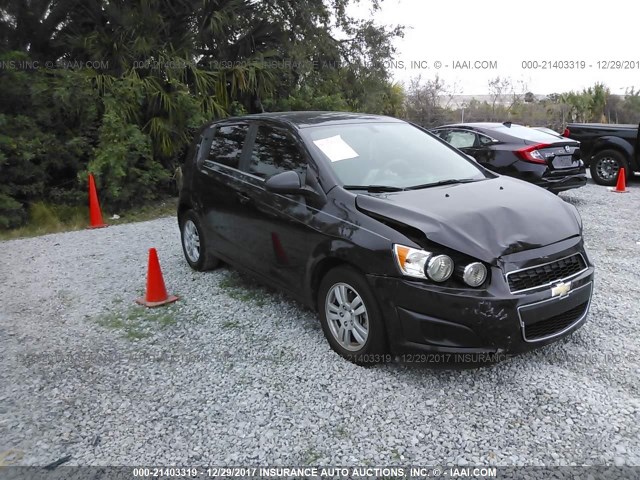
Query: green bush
[124, 165]
[48, 129]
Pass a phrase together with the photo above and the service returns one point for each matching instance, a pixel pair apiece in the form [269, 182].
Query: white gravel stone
[236, 373]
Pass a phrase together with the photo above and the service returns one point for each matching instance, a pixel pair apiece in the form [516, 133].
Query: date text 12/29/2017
[580, 64]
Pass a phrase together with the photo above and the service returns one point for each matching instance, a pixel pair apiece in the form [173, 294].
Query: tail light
[532, 154]
[566, 133]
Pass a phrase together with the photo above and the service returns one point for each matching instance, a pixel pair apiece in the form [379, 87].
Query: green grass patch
[243, 289]
[47, 218]
[231, 324]
[138, 322]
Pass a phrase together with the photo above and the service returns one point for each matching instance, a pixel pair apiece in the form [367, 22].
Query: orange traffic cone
[156, 291]
[95, 215]
[621, 186]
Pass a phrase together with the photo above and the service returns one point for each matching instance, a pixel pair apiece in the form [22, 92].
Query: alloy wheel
[191, 240]
[347, 317]
[607, 168]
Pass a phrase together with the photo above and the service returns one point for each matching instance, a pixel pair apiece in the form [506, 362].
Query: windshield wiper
[373, 188]
[451, 181]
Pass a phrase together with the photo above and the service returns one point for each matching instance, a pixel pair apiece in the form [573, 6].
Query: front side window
[274, 151]
[391, 154]
[227, 143]
[461, 138]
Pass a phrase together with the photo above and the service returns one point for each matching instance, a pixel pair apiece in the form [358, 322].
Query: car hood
[485, 219]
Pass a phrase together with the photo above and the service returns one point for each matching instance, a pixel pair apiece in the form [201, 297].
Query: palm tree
[35, 26]
[156, 67]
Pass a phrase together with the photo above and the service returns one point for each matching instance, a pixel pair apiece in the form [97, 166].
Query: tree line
[119, 88]
[433, 102]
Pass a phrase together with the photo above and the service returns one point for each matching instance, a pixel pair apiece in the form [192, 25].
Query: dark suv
[546, 160]
[400, 241]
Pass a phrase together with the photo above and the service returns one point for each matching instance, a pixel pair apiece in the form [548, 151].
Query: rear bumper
[554, 180]
[421, 317]
[562, 183]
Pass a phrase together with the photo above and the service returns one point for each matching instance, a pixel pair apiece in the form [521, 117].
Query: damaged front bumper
[423, 317]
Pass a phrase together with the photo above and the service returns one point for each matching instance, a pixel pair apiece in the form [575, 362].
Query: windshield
[388, 154]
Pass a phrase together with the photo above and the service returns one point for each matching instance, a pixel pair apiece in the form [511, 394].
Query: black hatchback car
[401, 242]
[546, 160]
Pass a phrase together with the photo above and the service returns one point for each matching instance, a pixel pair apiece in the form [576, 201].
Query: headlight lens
[474, 274]
[411, 261]
[439, 268]
[418, 263]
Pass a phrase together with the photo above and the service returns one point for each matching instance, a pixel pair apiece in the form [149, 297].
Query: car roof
[305, 119]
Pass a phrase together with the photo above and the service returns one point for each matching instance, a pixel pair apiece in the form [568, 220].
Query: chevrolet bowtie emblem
[561, 289]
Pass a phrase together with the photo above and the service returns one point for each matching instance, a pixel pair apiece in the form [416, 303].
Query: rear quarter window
[227, 144]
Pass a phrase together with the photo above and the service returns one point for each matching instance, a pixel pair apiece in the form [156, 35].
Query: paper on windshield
[335, 148]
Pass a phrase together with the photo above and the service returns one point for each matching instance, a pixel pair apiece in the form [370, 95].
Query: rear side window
[275, 150]
[227, 143]
[484, 140]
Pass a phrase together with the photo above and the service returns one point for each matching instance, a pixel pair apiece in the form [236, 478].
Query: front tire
[350, 317]
[194, 244]
[605, 166]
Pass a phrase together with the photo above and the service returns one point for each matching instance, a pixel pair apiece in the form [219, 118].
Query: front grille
[555, 324]
[545, 274]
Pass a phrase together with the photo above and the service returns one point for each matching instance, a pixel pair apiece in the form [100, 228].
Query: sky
[514, 36]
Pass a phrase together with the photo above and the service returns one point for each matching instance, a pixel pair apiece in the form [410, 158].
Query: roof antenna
[507, 123]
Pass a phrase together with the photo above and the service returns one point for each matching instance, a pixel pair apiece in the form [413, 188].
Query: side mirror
[287, 183]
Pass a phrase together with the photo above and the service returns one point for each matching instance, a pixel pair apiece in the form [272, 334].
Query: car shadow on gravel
[246, 289]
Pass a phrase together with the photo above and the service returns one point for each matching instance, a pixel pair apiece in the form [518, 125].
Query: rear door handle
[243, 198]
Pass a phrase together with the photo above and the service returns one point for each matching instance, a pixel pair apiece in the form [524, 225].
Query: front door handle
[243, 198]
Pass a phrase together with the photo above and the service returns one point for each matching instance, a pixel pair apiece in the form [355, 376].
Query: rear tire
[194, 243]
[351, 318]
[605, 165]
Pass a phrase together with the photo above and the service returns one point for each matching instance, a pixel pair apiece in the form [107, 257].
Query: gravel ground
[236, 374]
